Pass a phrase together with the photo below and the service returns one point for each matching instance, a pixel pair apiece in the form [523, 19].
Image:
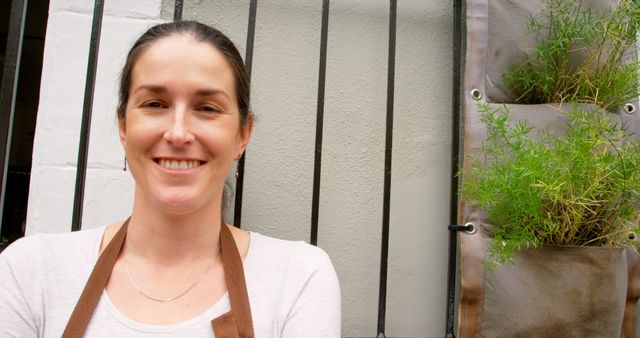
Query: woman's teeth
[178, 165]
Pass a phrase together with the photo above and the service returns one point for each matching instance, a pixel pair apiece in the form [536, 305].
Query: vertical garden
[551, 169]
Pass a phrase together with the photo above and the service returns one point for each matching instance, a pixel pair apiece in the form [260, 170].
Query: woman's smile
[178, 164]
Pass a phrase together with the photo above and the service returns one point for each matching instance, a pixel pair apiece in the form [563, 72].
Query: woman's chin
[178, 209]
[178, 200]
[179, 204]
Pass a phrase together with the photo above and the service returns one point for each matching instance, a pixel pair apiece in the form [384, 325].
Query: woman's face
[182, 127]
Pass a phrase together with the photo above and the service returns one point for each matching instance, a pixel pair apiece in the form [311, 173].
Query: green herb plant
[579, 56]
[581, 188]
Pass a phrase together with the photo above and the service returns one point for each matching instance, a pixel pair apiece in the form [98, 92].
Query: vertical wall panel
[353, 155]
[279, 176]
[55, 147]
[421, 175]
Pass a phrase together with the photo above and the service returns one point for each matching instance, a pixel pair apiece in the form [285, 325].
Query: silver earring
[124, 167]
[237, 159]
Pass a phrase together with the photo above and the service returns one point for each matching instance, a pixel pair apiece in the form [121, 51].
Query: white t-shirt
[293, 290]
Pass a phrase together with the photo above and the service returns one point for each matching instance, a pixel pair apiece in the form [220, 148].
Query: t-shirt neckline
[218, 308]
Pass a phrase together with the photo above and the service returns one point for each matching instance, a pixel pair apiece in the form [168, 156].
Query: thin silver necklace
[135, 286]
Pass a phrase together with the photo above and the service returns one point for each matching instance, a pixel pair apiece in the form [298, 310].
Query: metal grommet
[632, 236]
[476, 94]
[629, 108]
[471, 228]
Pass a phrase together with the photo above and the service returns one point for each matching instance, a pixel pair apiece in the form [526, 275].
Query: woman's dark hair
[202, 33]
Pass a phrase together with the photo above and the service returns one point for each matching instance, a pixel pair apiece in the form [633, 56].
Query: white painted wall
[279, 172]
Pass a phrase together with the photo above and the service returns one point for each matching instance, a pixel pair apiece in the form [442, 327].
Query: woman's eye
[153, 104]
[209, 109]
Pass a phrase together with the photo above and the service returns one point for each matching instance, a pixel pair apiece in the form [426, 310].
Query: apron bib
[236, 323]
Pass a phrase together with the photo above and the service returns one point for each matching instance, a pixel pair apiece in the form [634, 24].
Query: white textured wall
[109, 190]
[279, 172]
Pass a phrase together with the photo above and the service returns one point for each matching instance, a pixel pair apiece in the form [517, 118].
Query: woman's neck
[169, 239]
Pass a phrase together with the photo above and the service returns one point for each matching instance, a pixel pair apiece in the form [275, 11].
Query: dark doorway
[26, 108]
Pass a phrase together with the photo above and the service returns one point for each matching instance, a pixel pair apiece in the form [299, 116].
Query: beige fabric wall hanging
[518, 300]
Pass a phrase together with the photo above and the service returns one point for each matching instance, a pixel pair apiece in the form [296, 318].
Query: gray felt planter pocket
[556, 291]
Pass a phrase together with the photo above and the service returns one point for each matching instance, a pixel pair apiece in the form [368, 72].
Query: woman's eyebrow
[157, 89]
[210, 92]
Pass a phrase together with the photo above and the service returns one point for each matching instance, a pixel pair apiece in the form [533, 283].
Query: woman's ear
[122, 131]
[245, 134]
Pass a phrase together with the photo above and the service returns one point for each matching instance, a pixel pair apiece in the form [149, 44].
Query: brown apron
[236, 323]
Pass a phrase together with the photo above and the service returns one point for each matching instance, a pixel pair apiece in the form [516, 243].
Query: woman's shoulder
[288, 255]
[296, 281]
[290, 248]
[45, 271]
[52, 247]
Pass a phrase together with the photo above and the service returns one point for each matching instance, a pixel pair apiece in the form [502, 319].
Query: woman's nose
[179, 131]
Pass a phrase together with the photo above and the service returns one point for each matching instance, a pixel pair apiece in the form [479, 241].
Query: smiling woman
[173, 269]
[182, 110]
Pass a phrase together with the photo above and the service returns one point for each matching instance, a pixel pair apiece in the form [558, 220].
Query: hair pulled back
[201, 33]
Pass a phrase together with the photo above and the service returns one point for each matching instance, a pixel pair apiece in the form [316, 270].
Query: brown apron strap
[236, 323]
[239, 318]
[83, 311]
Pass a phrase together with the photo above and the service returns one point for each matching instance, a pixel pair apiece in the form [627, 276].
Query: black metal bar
[177, 10]
[315, 202]
[248, 60]
[87, 110]
[9, 89]
[455, 153]
[382, 300]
